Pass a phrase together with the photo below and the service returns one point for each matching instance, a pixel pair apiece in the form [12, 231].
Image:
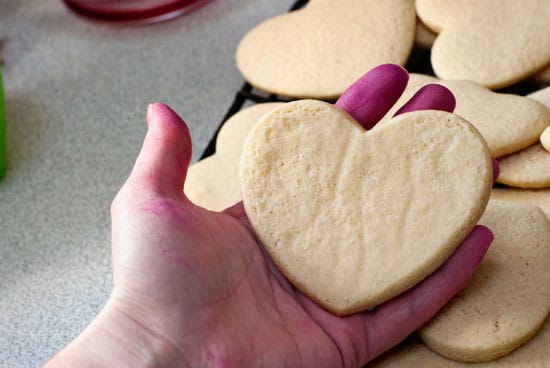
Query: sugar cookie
[319, 50]
[213, 182]
[543, 76]
[529, 168]
[508, 122]
[508, 298]
[542, 96]
[316, 190]
[493, 42]
[537, 197]
[413, 353]
[423, 36]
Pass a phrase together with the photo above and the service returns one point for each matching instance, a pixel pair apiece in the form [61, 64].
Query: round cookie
[319, 50]
[413, 353]
[493, 42]
[317, 192]
[213, 183]
[529, 168]
[508, 298]
[508, 122]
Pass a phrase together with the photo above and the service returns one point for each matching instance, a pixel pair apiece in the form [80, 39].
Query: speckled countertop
[76, 93]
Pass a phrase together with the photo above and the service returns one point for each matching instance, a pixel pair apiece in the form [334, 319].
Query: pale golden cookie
[423, 36]
[508, 122]
[535, 197]
[542, 96]
[529, 168]
[493, 42]
[413, 353]
[354, 218]
[543, 76]
[213, 183]
[508, 298]
[321, 49]
[545, 139]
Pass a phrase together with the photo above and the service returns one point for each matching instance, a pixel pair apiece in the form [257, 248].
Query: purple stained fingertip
[430, 97]
[371, 96]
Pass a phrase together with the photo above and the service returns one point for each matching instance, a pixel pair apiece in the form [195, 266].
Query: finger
[162, 164]
[370, 97]
[396, 319]
[430, 97]
[236, 210]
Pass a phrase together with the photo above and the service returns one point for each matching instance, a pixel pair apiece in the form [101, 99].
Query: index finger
[371, 96]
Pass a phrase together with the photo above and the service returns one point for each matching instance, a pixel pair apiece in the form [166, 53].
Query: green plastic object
[3, 141]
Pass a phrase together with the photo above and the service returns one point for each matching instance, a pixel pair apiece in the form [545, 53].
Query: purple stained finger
[370, 97]
[430, 97]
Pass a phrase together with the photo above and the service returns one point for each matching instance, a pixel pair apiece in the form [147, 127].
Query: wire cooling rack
[418, 62]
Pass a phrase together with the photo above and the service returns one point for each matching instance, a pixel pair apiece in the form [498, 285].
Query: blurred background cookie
[493, 42]
[530, 167]
[508, 298]
[414, 353]
[213, 182]
[539, 198]
[319, 50]
[508, 122]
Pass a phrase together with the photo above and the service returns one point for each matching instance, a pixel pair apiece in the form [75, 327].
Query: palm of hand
[200, 280]
[207, 272]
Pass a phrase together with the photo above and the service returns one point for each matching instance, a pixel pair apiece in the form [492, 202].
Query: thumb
[164, 158]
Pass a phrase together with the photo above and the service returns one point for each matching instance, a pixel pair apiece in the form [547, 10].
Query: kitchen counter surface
[76, 93]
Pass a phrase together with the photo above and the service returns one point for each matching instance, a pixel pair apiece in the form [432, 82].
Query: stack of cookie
[526, 173]
[481, 51]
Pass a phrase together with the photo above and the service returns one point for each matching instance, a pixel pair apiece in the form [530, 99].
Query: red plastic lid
[133, 10]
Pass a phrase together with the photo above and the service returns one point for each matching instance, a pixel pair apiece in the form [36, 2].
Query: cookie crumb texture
[354, 218]
[508, 299]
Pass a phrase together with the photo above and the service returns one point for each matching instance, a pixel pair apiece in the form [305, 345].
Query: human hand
[195, 288]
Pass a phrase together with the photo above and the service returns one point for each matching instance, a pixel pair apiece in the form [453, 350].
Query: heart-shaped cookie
[319, 50]
[354, 218]
[493, 42]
